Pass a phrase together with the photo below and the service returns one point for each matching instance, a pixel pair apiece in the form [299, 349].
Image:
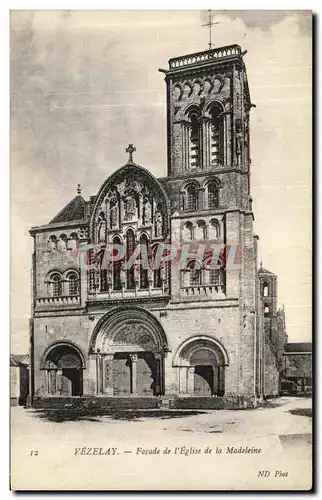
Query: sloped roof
[298, 347]
[74, 210]
[262, 270]
[17, 359]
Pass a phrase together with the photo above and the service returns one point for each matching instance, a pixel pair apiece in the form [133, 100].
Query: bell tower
[208, 105]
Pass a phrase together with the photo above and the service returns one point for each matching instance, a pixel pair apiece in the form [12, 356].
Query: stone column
[221, 381]
[158, 382]
[160, 372]
[92, 375]
[134, 361]
[190, 380]
[185, 145]
[99, 388]
[216, 379]
[48, 382]
[206, 143]
[108, 374]
[201, 198]
[228, 139]
[183, 376]
[59, 382]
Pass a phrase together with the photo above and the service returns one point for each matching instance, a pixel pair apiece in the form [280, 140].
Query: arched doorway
[201, 364]
[127, 348]
[63, 363]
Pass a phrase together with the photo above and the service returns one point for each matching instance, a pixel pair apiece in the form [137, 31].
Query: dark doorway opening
[147, 374]
[72, 382]
[204, 380]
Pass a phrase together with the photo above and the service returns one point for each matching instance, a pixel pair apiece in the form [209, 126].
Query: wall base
[173, 403]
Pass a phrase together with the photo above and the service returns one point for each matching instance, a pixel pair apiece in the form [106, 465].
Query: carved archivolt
[131, 197]
[133, 326]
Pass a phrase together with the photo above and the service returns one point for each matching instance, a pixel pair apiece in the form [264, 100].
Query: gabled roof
[74, 210]
[262, 270]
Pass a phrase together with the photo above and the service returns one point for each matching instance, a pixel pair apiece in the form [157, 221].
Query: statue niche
[101, 228]
[158, 222]
[114, 210]
[131, 190]
[147, 211]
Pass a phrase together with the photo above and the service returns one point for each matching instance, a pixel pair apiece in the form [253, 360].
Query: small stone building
[198, 329]
[297, 367]
[19, 379]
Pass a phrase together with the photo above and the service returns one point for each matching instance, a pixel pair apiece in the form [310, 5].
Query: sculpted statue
[163, 271]
[129, 207]
[113, 213]
[158, 224]
[101, 231]
[136, 272]
[123, 274]
[147, 211]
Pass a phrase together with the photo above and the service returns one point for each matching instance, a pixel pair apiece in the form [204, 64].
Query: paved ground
[282, 416]
[283, 429]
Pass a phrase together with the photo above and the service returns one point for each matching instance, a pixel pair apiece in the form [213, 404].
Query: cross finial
[210, 24]
[79, 189]
[130, 149]
[261, 263]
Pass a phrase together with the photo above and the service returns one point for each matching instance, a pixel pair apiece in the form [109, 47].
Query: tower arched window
[191, 198]
[72, 283]
[217, 276]
[214, 229]
[195, 273]
[217, 134]
[194, 139]
[130, 246]
[213, 195]
[187, 231]
[200, 230]
[55, 285]
[266, 311]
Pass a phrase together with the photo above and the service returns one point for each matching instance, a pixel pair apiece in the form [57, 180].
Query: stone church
[184, 333]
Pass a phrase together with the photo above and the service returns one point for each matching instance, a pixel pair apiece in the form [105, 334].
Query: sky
[85, 84]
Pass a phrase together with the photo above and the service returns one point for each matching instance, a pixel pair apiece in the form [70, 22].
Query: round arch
[131, 328]
[210, 180]
[192, 107]
[186, 350]
[212, 104]
[190, 182]
[55, 349]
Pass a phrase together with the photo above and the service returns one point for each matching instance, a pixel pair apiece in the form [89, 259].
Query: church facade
[151, 288]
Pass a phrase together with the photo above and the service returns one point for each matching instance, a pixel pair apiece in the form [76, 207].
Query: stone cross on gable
[130, 149]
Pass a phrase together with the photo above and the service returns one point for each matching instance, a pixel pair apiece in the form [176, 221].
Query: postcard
[161, 250]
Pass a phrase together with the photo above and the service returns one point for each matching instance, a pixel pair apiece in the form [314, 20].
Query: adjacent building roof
[298, 347]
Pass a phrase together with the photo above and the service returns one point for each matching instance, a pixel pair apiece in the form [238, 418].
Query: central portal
[128, 348]
[136, 374]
